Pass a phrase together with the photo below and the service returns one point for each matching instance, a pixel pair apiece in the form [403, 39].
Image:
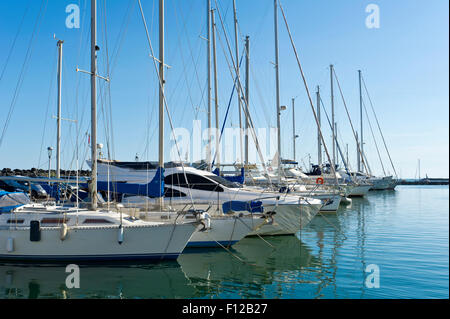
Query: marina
[181, 177]
[328, 259]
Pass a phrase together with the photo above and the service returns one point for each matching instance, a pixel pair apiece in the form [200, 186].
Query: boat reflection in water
[253, 269]
[164, 280]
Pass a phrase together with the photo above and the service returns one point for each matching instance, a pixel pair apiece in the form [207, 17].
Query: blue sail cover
[234, 179]
[153, 189]
[238, 206]
[9, 201]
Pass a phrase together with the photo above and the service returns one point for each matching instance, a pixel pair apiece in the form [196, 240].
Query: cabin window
[170, 192]
[193, 181]
[54, 220]
[15, 221]
[96, 221]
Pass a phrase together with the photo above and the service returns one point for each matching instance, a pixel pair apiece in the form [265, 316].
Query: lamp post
[49, 151]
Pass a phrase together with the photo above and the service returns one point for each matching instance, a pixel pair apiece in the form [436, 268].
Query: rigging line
[109, 124]
[234, 68]
[351, 124]
[346, 164]
[245, 108]
[226, 116]
[78, 81]
[50, 91]
[378, 124]
[36, 29]
[260, 95]
[333, 169]
[124, 27]
[149, 116]
[373, 136]
[184, 64]
[191, 52]
[164, 98]
[81, 33]
[230, 52]
[184, 71]
[14, 42]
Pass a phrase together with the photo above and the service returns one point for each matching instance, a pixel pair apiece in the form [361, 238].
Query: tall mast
[336, 136]
[277, 80]
[208, 74]
[346, 147]
[161, 90]
[58, 120]
[361, 118]
[93, 188]
[247, 94]
[238, 88]
[358, 155]
[332, 116]
[216, 89]
[319, 141]
[293, 125]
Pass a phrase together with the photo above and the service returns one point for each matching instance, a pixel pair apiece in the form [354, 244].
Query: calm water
[404, 233]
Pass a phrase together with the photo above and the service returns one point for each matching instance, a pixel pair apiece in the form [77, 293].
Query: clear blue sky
[404, 62]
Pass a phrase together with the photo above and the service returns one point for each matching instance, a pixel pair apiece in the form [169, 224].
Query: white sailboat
[38, 232]
[288, 213]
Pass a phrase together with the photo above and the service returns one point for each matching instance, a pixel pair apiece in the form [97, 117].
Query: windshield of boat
[224, 181]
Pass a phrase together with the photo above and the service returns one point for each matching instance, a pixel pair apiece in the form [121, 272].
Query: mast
[293, 125]
[247, 94]
[58, 119]
[336, 136]
[238, 88]
[358, 156]
[93, 186]
[360, 119]
[332, 116]
[419, 167]
[208, 74]
[319, 141]
[216, 89]
[161, 91]
[346, 151]
[277, 80]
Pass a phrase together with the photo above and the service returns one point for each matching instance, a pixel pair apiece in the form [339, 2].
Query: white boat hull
[97, 244]
[88, 236]
[381, 183]
[288, 220]
[224, 231]
[358, 190]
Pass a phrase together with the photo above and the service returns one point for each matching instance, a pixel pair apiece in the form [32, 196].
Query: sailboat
[47, 232]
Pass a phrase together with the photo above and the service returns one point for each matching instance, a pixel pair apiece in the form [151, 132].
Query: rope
[20, 80]
[333, 169]
[164, 96]
[245, 109]
[374, 140]
[14, 42]
[378, 124]
[259, 227]
[346, 165]
[351, 123]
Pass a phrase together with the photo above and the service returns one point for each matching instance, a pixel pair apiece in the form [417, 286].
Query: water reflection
[165, 280]
[252, 269]
[403, 233]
